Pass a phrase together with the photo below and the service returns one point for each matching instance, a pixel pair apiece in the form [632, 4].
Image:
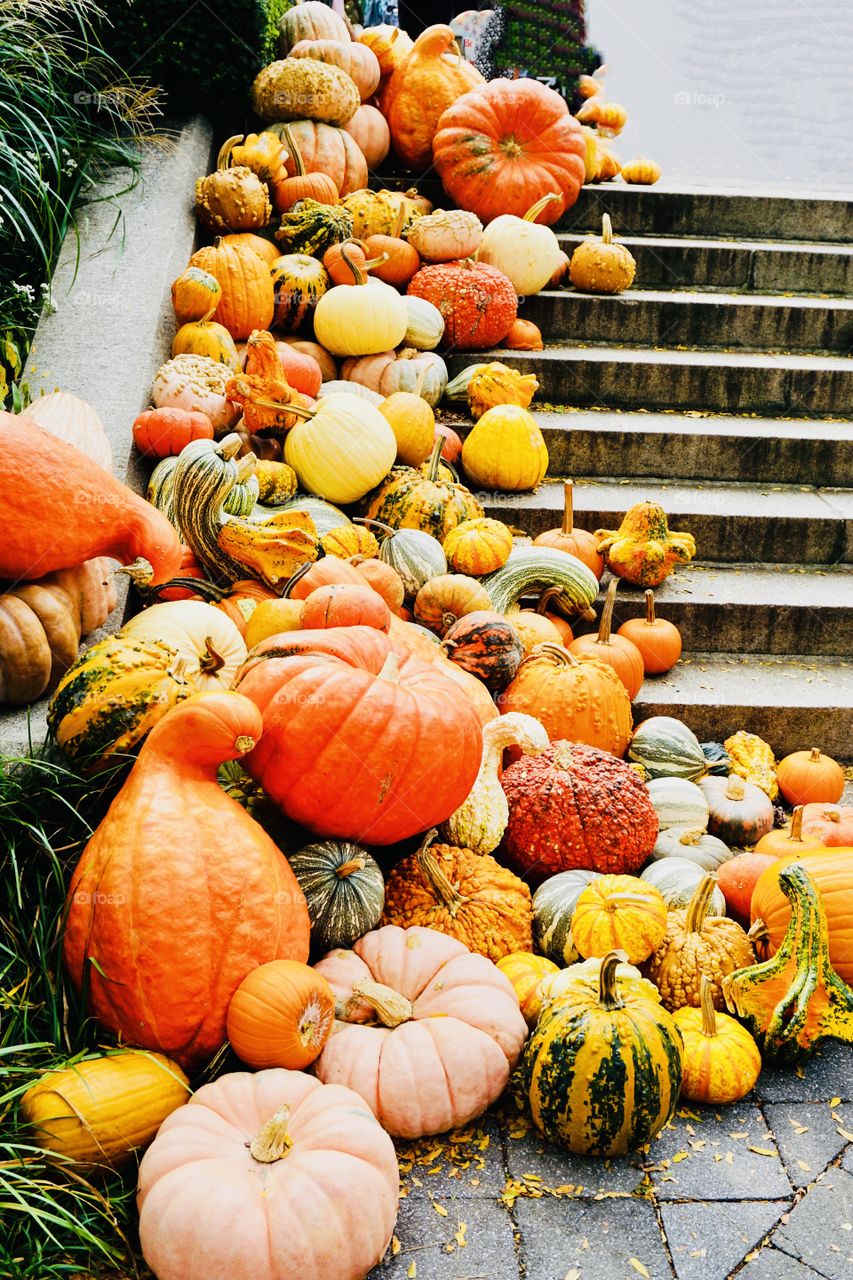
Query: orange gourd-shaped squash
[421, 88]
[810, 777]
[324, 695]
[582, 700]
[384, 579]
[578, 542]
[831, 873]
[212, 896]
[429, 1031]
[501, 149]
[247, 300]
[343, 604]
[61, 508]
[273, 1165]
[619, 913]
[658, 641]
[477, 303]
[620, 654]
[281, 1015]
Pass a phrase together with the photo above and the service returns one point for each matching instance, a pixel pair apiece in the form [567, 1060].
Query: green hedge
[205, 58]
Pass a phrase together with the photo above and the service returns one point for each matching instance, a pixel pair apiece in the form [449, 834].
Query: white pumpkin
[678, 803]
[426, 324]
[697, 846]
[343, 450]
[204, 637]
[522, 249]
[340, 386]
[73, 420]
[361, 319]
[676, 878]
[196, 382]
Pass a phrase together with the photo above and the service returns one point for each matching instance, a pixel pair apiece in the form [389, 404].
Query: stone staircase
[722, 387]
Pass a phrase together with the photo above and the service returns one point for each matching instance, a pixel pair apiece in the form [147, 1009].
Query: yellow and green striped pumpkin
[602, 1070]
[299, 282]
[410, 499]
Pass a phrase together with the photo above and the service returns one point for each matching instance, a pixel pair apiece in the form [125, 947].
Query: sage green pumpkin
[532, 570]
[676, 879]
[344, 891]
[666, 748]
[678, 803]
[602, 1070]
[694, 844]
[416, 556]
[553, 905]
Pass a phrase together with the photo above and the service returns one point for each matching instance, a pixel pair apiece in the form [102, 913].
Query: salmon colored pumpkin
[737, 878]
[428, 81]
[323, 696]
[60, 508]
[831, 824]
[212, 896]
[384, 579]
[281, 1015]
[618, 652]
[429, 1034]
[369, 128]
[322, 574]
[343, 604]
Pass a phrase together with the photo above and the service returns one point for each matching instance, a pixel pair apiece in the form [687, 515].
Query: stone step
[732, 524]
[790, 702]
[759, 266]
[587, 442]
[724, 381]
[753, 322]
[702, 212]
[731, 608]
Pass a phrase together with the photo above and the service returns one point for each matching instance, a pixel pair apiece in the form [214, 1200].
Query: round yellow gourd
[478, 547]
[525, 971]
[413, 423]
[343, 449]
[505, 450]
[602, 265]
[361, 319]
[270, 618]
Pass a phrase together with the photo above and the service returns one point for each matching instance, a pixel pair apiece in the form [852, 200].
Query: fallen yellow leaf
[638, 1266]
[762, 1151]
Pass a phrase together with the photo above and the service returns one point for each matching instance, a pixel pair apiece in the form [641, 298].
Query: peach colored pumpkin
[450, 1031]
[370, 130]
[264, 1175]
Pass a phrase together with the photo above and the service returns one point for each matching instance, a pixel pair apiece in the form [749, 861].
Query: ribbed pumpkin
[423, 84]
[553, 907]
[721, 1060]
[658, 641]
[246, 301]
[831, 872]
[693, 845]
[578, 542]
[465, 895]
[586, 1040]
[281, 1015]
[369, 129]
[309, 20]
[407, 499]
[356, 60]
[677, 879]
[324, 148]
[788, 839]
[620, 654]
[582, 700]
[576, 807]
[344, 890]
[506, 450]
[487, 645]
[342, 448]
[416, 556]
[832, 824]
[529, 571]
[104, 1109]
[442, 601]
[666, 748]
[477, 303]
[526, 971]
[697, 944]
[619, 913]
[350, 540]
[678, 803]
[195, 293]
[478, 546]
[361, 318]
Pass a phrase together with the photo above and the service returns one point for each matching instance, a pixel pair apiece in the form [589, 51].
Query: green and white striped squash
[344, 891]
[666, 748]
[694, 844]
[553, 905]
[602, 1069]
[456, 391]
[426, 324]
[678, 803]
[676, 879]
[531, 570]
[241, 501]
[206, 473]
[417, 557]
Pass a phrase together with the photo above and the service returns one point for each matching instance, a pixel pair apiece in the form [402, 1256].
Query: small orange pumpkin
[810, 777]
[342, 604]
[281, 1015]
[617, 651]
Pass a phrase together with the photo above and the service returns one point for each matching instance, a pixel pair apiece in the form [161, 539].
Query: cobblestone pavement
[762, 1189]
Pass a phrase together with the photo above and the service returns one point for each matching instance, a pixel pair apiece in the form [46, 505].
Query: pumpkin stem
[370, 263]
[358, 275]
[549, 594]
[211, 660]
[814, 757]
[140, 573]
[397, 229]
[691, 837]
[606, 623]
[650, 608]
[562, 754]
[797, 823]
[368, 522]
[345, 869]
[706, 1001]
[294, 578]
[608, 994]
[555, 652]
[272, 1142]
[391, 1008]
[535, 209]
[697, 908]
[225, 150]
[390, 668]
[244, 744]
[606, 229]
[736, 788]
[430, 869]
[758, 932]
[298, 162]
[568, 507]
[435, 459]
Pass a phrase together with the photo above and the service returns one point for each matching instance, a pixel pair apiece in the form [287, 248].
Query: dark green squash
[487, 645]
[344, 890]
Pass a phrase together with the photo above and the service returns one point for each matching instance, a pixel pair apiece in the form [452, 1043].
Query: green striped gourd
[205, 475]
[456, 390]
[678, 803]
[426, 324]
[299, 282]
[602, 1070]
[344, 891]
[311, 227]
[676, 879]
[666, 748]
[416, 556]
[553, 905]
[241, 501]
[532, 570]
[693, 844]
[113, 696]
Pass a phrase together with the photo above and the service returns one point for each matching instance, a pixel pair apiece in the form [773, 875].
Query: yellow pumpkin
[601, 265]
[619, 913]
[206, 338]
[270, 618]
[641, 172]
[478, 547]
[343, 448]
[102, 1109]
[360, 319]
[413, 423]
[721, 1060]
[525, 971]
[506, 450]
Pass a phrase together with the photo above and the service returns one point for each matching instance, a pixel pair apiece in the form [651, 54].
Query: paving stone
[773, 1265]
[847, 1161]
[707, 1163]
[434, 1244]
[597, 1238]
[707, 1241]
[806, 1154]
[828, 1074]
[534, 1155]
[468, 1162]
[819, 1231]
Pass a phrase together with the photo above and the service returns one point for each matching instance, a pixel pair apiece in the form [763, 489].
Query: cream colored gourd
[446, 235]
[205, 637]
[360, 319]
[522, 249]
[480, 821]
[343, 448]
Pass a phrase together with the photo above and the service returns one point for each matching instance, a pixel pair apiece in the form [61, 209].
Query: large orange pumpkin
[179, 893]
[356, 735]
[326, 149]
[247, 301]
[831, 872]
[426, 82]
[478, 303]
[500, 149]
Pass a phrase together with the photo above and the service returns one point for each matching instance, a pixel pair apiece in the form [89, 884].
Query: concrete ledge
[113, 324]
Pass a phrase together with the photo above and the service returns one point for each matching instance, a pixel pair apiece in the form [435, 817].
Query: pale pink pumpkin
[268, 1175]
[429, 1031]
